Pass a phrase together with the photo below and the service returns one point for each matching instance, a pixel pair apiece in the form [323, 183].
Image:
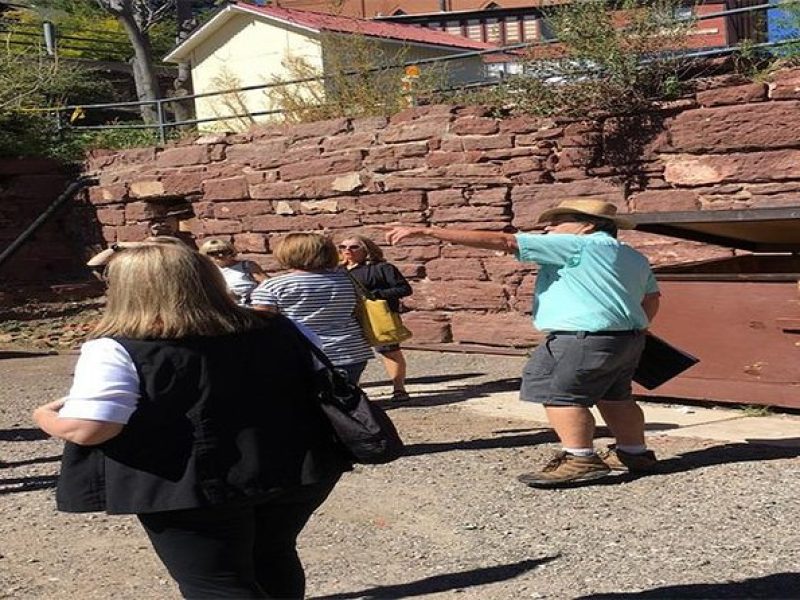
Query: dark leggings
[237, 551]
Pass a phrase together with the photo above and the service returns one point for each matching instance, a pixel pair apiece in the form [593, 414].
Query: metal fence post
[162, 130]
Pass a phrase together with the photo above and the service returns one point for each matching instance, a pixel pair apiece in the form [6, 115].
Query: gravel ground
[448, 520]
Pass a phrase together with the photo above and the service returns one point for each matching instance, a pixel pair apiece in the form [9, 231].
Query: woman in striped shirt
[318, 296]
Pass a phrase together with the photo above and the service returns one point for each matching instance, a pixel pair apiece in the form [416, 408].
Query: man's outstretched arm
[490, 240]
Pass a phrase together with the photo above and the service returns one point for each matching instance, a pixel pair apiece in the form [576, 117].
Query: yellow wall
[244, 52]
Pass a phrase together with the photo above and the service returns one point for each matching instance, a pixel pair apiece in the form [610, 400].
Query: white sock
[641, 449]
[579, 451]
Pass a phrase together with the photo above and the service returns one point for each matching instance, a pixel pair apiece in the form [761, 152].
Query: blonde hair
[307, 252]
[164, 289]
[374, 252]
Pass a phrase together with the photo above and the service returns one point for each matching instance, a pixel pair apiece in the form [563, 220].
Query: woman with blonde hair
[363, 260]
[316, 294]
[241, 276]
[200, 418]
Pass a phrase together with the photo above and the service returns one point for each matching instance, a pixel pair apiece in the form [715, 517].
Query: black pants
[237, 551]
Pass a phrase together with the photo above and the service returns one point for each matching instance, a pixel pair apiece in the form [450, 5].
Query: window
[512, 30]
[683, 13]
[530, 28]
[453, 27]
[494, 33]
[474, 30]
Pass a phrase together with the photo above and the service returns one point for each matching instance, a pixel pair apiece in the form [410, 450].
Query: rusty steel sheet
[746, 335]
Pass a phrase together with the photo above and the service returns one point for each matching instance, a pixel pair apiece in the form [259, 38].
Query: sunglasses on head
[351, 248]
[220, 253]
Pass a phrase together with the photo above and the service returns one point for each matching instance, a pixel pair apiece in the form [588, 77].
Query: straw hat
[587, 206]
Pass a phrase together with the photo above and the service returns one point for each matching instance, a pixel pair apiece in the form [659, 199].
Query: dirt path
[448, 520]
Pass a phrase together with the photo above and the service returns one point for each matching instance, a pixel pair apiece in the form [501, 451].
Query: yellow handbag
[380, 324]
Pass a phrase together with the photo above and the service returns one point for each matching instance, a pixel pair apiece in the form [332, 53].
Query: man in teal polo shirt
[594, 297]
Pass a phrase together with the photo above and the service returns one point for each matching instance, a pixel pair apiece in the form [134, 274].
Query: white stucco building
[247, 45]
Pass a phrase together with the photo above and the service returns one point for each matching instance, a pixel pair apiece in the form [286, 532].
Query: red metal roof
[380, 29]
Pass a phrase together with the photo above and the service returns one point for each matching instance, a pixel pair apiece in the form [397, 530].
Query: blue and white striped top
[325, 303]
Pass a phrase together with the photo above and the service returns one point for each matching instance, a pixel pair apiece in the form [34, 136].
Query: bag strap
[360, 288]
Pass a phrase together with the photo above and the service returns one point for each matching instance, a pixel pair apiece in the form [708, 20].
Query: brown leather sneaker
[619, 460]
[566, 468]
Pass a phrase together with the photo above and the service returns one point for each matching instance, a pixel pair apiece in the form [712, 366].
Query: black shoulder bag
[363, 429]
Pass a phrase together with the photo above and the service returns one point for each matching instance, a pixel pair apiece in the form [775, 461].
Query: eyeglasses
[220, 253]
[351, 248]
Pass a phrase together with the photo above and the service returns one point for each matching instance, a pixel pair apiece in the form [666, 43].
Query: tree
[137, 17]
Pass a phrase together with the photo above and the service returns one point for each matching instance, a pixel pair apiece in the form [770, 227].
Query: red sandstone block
[508, 329]
[413, 131]
[343, 163]
[474, 126]
[132, 232]
[474, 170]
[142, 211]
[468, 213]
[369, 123]
[453, 268]
[221, 226]
[517, 166]
[108, 194]
[273, 191]
[251, 242]
[232, 188]
[109, 234]
[110, 216]
[246, 208]
[453, 197]
[362, 139]
[488, 142]
[178, 157]
[391, 202]
[665, 200]
[382, 218]
[496, 196]
[459, 295]
[740, 94]
[319, 128]
[182, 183]
[428, 327]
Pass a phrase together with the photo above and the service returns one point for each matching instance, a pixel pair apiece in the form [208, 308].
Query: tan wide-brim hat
[587, 206]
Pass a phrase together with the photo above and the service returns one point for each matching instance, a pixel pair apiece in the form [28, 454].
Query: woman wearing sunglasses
[199, 417]
[365, 262]
[242, 276]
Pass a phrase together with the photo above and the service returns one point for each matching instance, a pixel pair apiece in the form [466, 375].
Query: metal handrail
[159, 103]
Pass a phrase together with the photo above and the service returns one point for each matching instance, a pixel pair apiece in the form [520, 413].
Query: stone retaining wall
[726, 147]
[54, 253]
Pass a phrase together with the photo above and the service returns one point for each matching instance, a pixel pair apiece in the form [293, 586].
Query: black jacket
[384, 281]
[220, 419]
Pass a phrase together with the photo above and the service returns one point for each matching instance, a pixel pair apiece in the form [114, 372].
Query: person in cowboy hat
[594, 297]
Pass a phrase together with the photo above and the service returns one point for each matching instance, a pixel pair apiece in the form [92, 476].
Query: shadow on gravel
[25, 353]
[426, 379]
[445, 583]
[460, 393]
[32, 461]
[27, 484]
[506, 441]
[777, 586]
[22, 435]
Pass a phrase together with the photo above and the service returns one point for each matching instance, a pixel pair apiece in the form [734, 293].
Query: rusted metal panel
[739, 331]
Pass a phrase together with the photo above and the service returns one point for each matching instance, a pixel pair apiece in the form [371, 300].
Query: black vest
[220, 419]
